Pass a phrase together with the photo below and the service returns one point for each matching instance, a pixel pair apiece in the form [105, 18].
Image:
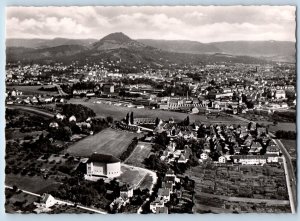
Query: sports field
[141, 151]
[119, 112]
[108, 141]
[136, 176]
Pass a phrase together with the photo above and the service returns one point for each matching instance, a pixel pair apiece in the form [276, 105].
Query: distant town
[194, 139]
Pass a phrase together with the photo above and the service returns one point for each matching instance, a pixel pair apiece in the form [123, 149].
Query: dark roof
[103, 158]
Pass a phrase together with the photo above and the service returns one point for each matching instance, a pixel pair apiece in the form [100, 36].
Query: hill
[47, 43]
[271, 50]
[181, 46]
[131, 55]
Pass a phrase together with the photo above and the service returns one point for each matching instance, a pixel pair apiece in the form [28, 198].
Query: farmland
[108, 141]
[119, 112]
[240, 188]
[141, 151]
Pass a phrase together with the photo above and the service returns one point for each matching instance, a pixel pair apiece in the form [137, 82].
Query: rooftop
[103, 158]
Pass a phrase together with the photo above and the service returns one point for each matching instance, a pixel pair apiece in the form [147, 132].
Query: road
[62, 201]
[60, 91]
[31, 110]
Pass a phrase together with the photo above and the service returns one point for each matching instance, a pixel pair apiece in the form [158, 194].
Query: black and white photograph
[150, 109]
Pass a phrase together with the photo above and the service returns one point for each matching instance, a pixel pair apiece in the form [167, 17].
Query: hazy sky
[199, 23]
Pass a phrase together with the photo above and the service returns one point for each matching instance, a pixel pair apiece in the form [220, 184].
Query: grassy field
[32, 90]
[11, 134]
[291, 147]
[132, 175]
[108, 141]
[283, 126]
[119, 112]
[141, 151]
[33, 184]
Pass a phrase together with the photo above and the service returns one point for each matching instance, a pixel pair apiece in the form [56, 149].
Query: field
[132, 175]
[291, 147]
[33, 184]
[108, 141]
[11, 134]
[141, 151]
[283, 126]
[239, 188]
[32, 90]
[119, 112]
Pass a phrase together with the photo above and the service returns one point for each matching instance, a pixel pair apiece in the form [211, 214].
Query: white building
[204, 156]
[222, 159]
[102, 165]
[48, 200]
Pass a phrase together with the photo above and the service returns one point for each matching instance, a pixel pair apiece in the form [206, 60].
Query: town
[157, 141]
[151, 109]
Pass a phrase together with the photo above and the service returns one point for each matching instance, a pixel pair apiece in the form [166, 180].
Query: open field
[283, 126]
[32, 90]
[11, 134]
[33, 184]
[141, 151]
[291, 147]
[108, 141]
[119, 112]
[132, 175]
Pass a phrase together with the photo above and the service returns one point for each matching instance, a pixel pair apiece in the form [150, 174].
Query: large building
[103, 165]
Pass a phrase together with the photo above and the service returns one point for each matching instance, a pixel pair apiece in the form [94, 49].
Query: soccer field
[108, 141]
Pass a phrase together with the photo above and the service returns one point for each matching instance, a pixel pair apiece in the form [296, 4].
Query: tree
[127, 118]
[187, 122]
[156, 121]
[162, 139]
[131, 118]
[110, 119]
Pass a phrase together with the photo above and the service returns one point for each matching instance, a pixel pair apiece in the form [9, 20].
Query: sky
[196, 23]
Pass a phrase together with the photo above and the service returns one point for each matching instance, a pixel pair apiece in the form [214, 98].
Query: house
[72, 118]
[182, 159]
[204, 156]
[127, 190]
[164, 194]
[162, 210]
[195, 110]
[272, 158]
[156, 204]
[222, 159]
[122, 200]
[47, 200]
[60, 116]
[250, 159]
[102, 165]
[53, 125]
[108, 88]
[280, 94]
